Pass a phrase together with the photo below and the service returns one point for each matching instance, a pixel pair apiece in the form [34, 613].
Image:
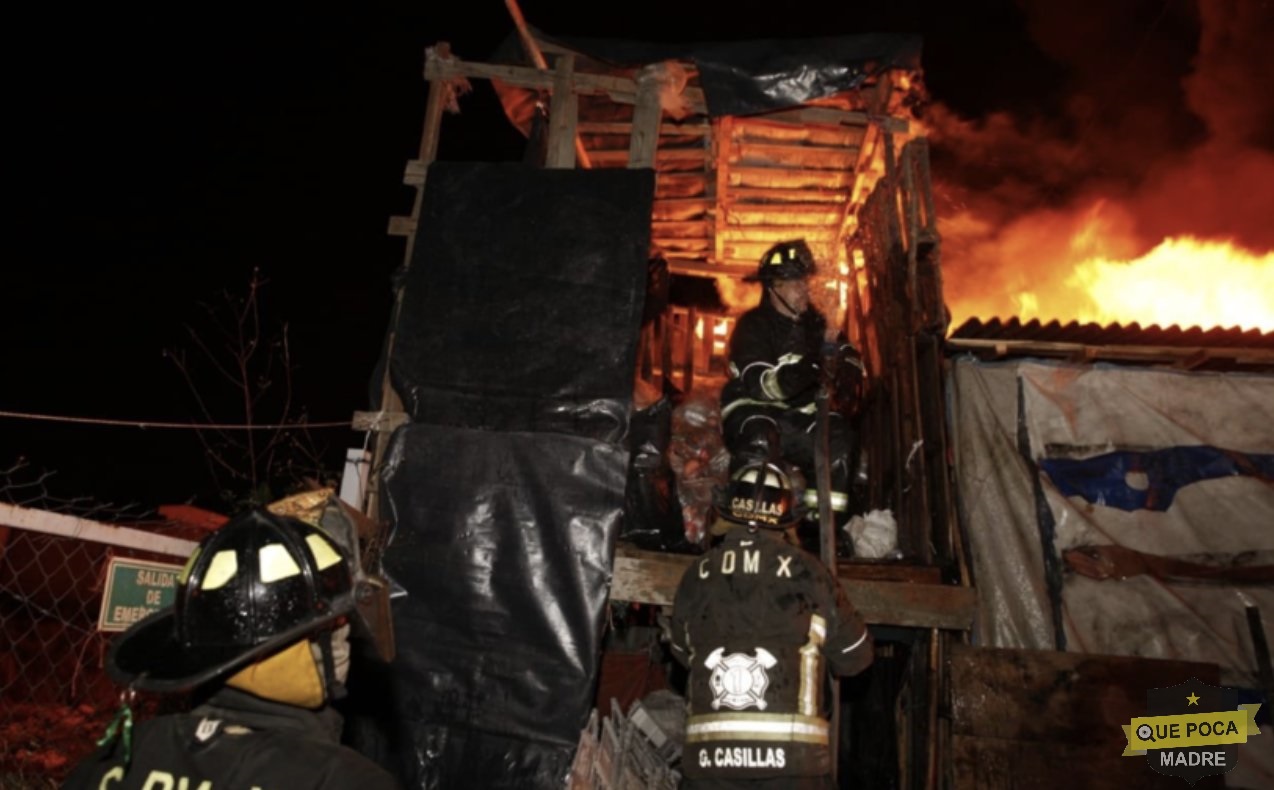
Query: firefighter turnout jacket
[236, 742]
[773, 361]
[759, 624]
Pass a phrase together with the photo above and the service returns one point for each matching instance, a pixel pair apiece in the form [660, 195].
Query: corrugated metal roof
[1194, 348]
[1114, 334]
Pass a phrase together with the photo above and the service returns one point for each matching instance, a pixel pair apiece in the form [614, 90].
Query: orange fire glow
[1087, 268]
[1182, 281]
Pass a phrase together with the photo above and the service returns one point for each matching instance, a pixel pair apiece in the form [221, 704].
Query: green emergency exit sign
[134, 589]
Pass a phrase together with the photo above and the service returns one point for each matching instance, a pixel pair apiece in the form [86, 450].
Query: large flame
[1086, 268]
[1182, 281]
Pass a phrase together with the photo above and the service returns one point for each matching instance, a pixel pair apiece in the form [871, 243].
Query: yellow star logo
[1193, 699]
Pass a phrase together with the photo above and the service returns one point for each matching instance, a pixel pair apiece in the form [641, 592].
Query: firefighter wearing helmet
[780, 352]
[259, 636]
[759, 623]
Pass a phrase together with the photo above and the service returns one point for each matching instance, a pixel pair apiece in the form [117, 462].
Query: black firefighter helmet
[253, 587]
[787, 260]
[759, 495]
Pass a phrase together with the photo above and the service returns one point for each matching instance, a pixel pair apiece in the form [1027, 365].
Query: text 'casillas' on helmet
[759, 495]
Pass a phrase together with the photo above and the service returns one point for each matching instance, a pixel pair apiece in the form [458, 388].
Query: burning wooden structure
[840, 164]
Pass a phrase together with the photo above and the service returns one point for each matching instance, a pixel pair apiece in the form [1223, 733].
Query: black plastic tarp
[749, 77]
[516, 354]
[524, 296]
[503, 543]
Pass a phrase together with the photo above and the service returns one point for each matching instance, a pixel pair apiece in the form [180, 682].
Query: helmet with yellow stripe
[759, 495]
[255, 586]
[787, 260]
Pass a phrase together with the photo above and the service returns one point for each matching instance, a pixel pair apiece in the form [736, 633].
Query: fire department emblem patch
[738, 680]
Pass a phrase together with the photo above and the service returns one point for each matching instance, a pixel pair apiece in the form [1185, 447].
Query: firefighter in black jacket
[759, 623]
[263, 609]
[780, 351]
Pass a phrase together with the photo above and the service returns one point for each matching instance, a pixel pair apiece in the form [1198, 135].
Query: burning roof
[1194, 348]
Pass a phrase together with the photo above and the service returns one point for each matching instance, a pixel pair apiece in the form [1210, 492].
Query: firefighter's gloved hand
[796, 378]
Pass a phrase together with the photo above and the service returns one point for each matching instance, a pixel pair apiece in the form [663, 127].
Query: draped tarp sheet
[738, 77]
[523, 300]
[503, 543]
[1051, 457]
[515, 353]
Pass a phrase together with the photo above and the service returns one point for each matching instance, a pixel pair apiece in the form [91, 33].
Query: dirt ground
[41, 743]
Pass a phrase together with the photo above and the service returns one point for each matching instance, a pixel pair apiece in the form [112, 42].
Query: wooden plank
[735, 235]
[414, 172]
[700, 245]
[721, 178]
[694, 186]
[563, 114]
[762, 130]
[619, 156]
[1165, 354]
[652, 577]
[673, 209]
[829, 115]
[620, 89]
[864, 570]
[786, 178]
[526, 77]
[763, 196]
[688, 352]
[402, 226]
[694, 229]
[800, 156]
[757, 213]
[646, 116]
[51, 523]
[625, 129]
[1045, 719]
[698, 268]
[1046, 696]
[379, 421]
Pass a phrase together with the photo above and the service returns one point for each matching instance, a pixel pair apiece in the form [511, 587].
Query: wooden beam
[620, 156]
[719, 188]
[804, 115]
[773, 233]
[698, 268]
[674, 245]
[563, 113]
[646, 116]
[814, 157]
[688, 351]
[680, 229]
[1195, 355]
[402, 226]
[762, 196]
[680, 209]
[789, 177]
[741, 213]
[760, 130]
[680, 185]
[66, 526]
[624, 128]
[414, 172]
[379, 421]
[620, 89]
[652, 577]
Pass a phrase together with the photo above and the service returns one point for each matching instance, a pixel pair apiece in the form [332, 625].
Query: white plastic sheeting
[1083, 412]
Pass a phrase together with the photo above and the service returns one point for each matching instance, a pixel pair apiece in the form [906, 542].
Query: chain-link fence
[55, 696]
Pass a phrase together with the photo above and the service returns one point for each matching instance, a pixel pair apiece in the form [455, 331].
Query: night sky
[153, 161]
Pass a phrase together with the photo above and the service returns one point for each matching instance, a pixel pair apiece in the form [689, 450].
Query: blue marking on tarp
[1103, 479]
